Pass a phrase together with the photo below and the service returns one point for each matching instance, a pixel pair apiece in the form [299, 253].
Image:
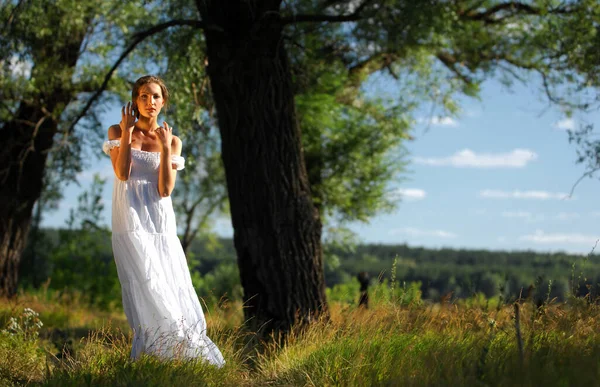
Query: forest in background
[80, 261]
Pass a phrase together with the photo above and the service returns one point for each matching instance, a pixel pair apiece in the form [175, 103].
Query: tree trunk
[26, 141]
[277, 230]
[28, 137]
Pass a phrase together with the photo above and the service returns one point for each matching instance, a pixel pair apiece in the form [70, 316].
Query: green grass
[470, 343]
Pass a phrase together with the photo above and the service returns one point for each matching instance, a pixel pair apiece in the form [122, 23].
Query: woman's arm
[121, 155]
[170, 146]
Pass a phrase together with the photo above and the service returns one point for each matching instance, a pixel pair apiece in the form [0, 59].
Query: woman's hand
[127, 118]
[165, 136]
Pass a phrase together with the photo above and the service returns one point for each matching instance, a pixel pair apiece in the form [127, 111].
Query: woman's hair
[146, 80]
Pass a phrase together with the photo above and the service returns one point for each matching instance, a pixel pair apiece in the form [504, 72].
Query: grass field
[473, 343]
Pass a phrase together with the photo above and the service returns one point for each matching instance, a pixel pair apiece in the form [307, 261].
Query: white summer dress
[158, 297]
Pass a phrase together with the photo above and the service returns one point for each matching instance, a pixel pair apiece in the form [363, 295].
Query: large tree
[454, 46]
[53, 54]
[277, 229]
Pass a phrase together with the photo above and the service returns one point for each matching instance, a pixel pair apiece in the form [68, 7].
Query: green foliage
[351, 140]
[82, 260]
[381, 293]
[399, 294]
[336, 240]
[83, 265]
[463, 273]
[345, 292]
[222, 283]
[480, 301]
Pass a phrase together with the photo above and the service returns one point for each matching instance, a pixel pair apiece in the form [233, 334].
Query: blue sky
[496, 177]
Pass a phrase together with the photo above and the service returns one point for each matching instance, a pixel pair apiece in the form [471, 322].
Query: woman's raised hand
[165, 135]
[127, 118]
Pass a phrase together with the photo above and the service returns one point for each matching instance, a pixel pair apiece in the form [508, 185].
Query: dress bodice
[144, 165]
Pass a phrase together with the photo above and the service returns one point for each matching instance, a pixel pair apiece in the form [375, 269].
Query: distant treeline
[81, 260]
[463, 273]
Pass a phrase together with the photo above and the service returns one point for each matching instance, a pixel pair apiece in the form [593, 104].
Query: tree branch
[450, 62]
[329, 3]
[13, 14]
[557, 100]
[512, 72]
[137, 39]
[514, 62]
[191, 232]
[386, 58]
[545, 82]
[318, 18]
[515, 7]
[589, 173]
[188, 235]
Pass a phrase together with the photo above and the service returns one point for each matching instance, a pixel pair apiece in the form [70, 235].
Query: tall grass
[392, 343]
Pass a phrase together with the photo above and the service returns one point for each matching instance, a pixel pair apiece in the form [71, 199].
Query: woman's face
[150, 100]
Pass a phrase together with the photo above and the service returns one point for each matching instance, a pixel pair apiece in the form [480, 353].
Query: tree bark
[27, 140]
[277, 230]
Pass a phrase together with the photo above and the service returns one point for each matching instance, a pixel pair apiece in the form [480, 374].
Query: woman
[158, 297]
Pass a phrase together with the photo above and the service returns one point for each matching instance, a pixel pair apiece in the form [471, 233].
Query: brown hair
[135, 92]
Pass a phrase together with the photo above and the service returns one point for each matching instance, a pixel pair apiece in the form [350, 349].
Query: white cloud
[538, 217]
[517, 158]
[408, 194]
[439, 121]
[567, 215]
[572, 238]
[444, 121]
[473, 113]
[516, 194]
[524, 215]
[415, 232]
[518, 214]
[566, 124]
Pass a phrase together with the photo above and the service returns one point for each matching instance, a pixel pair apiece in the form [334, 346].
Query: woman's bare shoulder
[176, 141]
[176, 146]
[114, 132]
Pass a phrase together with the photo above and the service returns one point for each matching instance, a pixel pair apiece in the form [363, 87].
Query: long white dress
[158, 297]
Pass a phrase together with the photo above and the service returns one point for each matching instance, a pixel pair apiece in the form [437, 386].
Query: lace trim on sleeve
[108, 145]
[178, 162]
